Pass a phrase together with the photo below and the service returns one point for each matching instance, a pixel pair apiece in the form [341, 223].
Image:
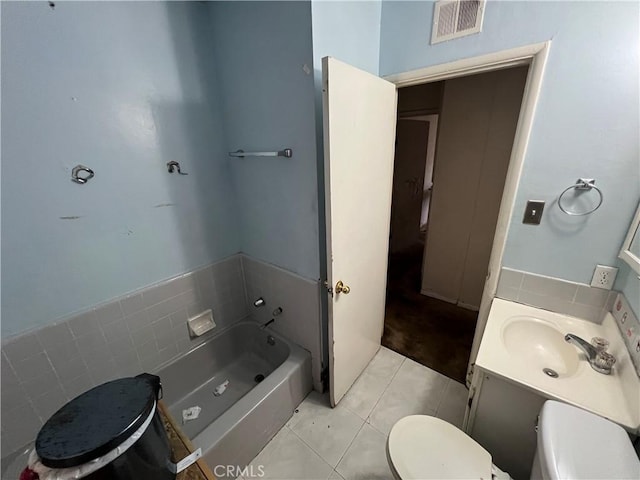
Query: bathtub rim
[216, 430]
[245, 321]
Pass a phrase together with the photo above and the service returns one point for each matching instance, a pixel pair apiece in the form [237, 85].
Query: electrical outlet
[603, 277]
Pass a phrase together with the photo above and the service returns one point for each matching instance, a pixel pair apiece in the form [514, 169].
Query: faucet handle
[600, 343]
[604, 361]
[259, 302]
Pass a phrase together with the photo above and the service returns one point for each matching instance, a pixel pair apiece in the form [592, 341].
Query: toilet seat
[424, 447]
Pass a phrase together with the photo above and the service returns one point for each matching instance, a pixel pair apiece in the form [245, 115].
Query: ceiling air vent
[456, 18]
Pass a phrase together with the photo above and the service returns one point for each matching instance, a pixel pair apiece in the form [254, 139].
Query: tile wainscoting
[561, 296]
[43, 369]
[299, 298]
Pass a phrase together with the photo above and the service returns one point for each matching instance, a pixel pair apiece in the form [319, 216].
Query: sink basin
[540, 345]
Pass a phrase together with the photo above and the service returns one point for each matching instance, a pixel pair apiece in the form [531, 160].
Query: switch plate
[533, 212]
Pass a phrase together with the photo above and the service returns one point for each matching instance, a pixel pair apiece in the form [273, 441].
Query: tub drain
[258, 378]
[550, 373]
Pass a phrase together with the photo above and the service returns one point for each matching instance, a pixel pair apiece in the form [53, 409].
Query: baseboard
[469, 306]
[438, 297]
[466, 306]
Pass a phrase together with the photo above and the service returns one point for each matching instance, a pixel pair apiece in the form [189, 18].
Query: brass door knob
[342, 288]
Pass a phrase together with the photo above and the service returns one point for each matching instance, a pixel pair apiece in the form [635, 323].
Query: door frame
[534, 55]
[432, 120]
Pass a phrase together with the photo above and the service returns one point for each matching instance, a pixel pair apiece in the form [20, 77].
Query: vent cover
[456, 18]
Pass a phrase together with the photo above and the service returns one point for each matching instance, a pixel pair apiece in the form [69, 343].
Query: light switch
[533, 212]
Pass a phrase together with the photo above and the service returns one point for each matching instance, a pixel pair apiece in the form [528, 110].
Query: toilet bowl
[424, 447]
[571, 443]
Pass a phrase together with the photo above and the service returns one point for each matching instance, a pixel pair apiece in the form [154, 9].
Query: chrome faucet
[600, 361]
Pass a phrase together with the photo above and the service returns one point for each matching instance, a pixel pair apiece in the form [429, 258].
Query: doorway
[359, 117]
[445, 210]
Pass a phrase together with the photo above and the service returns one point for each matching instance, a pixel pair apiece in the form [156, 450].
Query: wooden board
[181, 446]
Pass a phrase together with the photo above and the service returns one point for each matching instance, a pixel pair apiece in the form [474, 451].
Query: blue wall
[348, 31]
[267, 97]
[126, 87]
[122, 88]
[587, 123]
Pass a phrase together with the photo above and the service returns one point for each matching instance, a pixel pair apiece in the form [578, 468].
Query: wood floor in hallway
[432, 332]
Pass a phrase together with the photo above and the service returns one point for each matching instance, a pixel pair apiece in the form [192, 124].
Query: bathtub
[233, 427]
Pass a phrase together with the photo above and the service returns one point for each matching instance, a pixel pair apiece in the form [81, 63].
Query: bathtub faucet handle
[259, 302]
[277, 311]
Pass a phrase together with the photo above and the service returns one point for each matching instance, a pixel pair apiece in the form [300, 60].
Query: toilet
[572, 443]
[424, 447]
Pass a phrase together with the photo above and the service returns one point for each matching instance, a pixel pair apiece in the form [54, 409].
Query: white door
[359, 136]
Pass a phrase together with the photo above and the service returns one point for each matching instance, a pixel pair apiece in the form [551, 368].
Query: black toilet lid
[95, 422]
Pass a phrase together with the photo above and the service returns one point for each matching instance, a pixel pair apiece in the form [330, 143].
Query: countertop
[615, 396]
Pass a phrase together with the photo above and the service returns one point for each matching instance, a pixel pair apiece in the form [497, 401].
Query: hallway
[432, 332]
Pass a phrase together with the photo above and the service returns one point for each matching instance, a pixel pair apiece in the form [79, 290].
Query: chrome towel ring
[81, 174]
[584, 184]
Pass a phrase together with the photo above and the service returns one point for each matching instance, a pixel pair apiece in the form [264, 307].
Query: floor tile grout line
[385, 390]
[267, 444]
[444, 394]
[355, 413]
[404, 359]
[350, 444]
[314, 451]
[366, 420]
[435, 411]
[378, 430]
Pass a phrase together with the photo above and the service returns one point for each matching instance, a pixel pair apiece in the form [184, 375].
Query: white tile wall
[571, 298]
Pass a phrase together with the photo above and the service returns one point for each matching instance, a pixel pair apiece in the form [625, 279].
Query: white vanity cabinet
[510, 382]
[503, 418]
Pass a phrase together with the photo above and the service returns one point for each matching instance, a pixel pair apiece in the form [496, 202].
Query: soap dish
[201, 323]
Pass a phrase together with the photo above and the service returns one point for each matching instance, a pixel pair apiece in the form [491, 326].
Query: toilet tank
[576, 444]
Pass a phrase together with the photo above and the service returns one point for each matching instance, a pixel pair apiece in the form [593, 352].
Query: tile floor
[348, 442]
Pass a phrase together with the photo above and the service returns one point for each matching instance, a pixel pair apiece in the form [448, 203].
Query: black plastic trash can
[103, 419]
